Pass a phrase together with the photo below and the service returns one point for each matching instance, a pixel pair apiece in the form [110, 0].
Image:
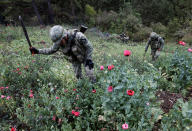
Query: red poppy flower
[182, 43]
[127, 52]
[77, 114]
[13, 129]
[74, 89]
[57, 97]
[94, 91]
[73, 112]
[17, 69]
[130, 92]
[110, 67]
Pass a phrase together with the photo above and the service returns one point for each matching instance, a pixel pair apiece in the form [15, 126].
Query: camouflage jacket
[77, 48]
[155, 44]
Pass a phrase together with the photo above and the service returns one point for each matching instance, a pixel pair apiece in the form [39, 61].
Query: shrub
[159, 28]
[142, 34]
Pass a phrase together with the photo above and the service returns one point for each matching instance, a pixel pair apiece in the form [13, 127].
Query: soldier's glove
[89, 63]
[34, 50]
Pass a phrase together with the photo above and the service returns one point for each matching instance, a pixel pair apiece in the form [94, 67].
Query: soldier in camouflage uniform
[75, 46]
[156, 43]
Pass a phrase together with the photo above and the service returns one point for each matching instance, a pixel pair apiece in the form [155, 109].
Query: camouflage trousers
[155, 54]
[78, 71]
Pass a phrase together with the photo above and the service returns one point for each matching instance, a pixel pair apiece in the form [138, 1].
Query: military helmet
[154, 35]
[57, 33]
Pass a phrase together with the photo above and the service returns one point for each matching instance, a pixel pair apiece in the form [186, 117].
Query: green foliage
[180, 117]
[142, 34]
[90, 11]
[173, 26]
[56, 92]
[159, 28]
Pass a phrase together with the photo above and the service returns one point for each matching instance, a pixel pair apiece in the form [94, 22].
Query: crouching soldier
[75, 46]
[157, 43]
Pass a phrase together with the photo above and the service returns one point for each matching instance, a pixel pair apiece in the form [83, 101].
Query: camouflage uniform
[156, 43]
[77, 49]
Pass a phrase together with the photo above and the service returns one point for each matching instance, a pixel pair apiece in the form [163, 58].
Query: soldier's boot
[77, 69]
[90, 74]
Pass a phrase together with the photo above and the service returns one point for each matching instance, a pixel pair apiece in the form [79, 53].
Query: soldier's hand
[34, 50]
[89, 63]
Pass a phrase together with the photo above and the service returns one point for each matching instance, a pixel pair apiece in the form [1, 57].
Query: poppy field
[41, 93]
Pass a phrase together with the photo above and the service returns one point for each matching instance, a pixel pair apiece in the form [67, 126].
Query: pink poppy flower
[1, 88]
[2, 96]
[110, 89]
[31, 95]
[147, 104]
[57, 97]
[54, 118]
[19, 73]
[125, 126]
[8, 97]
[77, 113]
[127, 52]
[189, 50]
[17, 69]
[110, 67]
[101, 67]
[7, 87]
[73, 112]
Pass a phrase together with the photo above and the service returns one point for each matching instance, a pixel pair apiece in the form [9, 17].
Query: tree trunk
[50, 12]
[37, 12]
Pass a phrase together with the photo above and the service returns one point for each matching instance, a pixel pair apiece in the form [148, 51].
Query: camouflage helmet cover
[57, 33]
[154, 35]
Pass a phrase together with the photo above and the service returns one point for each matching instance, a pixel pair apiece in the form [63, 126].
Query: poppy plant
[130, 92]
[127, 52]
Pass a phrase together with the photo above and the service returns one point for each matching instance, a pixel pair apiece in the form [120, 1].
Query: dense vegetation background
[170, 18]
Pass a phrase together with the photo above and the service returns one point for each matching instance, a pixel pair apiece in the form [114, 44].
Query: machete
[25, 32]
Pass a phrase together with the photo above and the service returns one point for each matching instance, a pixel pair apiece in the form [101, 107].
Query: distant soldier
[157, 43]
[75, 46]
[124, 38]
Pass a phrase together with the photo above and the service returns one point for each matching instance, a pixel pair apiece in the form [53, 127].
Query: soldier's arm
[147, 46]
[88, 47]
[162, 42]
[51, 50]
